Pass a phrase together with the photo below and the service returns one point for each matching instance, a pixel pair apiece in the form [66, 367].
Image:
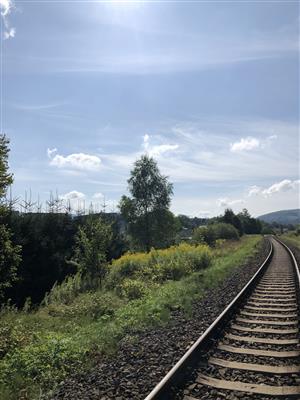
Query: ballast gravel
[141, 363]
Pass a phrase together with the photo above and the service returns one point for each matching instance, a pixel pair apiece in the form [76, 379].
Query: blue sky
[209, 89]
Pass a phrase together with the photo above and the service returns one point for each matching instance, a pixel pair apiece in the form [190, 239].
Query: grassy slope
[291, 238]
[43, 347]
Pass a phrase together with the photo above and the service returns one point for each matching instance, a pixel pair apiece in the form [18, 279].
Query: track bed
[257, 354]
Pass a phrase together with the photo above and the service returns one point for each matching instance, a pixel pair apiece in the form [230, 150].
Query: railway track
[252, 350]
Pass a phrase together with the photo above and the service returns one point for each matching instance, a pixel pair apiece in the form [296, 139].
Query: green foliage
[211, 233]
[69, 289]
[250, 225]
[47, 241]
[158, 266]
[9, 253]
[49, 359]
[149, 221]
[9, 260]
[132, 289]
[230, 218]
[292, 238]
[92, 242]
[89, 305]
[6, 178]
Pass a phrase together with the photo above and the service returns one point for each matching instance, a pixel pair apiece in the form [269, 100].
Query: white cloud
[282, 186]
[98, 196]
[50, 152]
[245, 144]
[10, 33]
[157, 150]
[278, 187]
[79, 161]
[254, 190]
[6, 7]
[226, 202]
[73, 195]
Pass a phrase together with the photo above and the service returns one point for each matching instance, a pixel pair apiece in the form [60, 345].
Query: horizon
[210, 90]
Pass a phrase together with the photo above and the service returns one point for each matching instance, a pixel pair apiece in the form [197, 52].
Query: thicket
[48, 242]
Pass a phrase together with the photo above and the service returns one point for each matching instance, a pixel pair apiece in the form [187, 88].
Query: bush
[51, 358]
[225, 231]
[158, 266]
[211, 233]
[90, 305]
[132, 289]
[70, 288]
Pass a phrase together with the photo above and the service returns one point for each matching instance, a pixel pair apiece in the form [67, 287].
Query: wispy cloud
[157, 150]
[226, 202]
[38, 107]
[198, 152]
[195, 53]
[77, 161]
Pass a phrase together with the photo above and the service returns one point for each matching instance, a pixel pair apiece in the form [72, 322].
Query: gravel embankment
[140, 364]
[280, 269]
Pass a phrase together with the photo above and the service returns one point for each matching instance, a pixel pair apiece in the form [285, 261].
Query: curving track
[256, 354]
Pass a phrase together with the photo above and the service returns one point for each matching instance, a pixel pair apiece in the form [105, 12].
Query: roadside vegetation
[292, 237]
[41, 347]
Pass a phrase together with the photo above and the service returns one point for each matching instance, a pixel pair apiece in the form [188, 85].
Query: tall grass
[292, 238]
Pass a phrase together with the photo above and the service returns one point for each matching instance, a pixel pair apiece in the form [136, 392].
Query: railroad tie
[265, 303]
[271, 308]
[248, 387]
[265, 330]
[266, 322]
[255, 339]
[269, 315]
[258, 352]
[270, 369]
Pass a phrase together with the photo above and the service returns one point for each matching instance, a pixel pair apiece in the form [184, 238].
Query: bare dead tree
[27, 204]
[104, 205]
[50, 203]
[39, 205]
[58, 204]
[68, 207]
[91, 208]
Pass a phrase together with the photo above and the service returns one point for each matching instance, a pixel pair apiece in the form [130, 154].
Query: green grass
[292, 238]
[39, 349]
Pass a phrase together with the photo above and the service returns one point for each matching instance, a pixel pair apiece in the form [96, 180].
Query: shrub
[211, 233]
[90, 305]
[225, 231]
[159, 265]
[70, 288]
[51, 358]
[132, 289]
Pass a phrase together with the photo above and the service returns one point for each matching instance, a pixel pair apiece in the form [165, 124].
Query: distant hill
[284, 217]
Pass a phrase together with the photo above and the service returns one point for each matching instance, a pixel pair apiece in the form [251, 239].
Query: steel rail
[178, 373]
